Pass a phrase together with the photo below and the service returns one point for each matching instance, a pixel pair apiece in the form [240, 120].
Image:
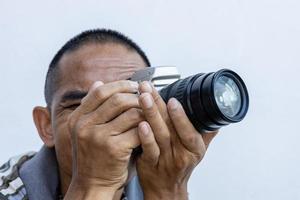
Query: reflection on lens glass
[228, 96]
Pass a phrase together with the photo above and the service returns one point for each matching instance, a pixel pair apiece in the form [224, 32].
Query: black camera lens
[228, 96]
[210, 100]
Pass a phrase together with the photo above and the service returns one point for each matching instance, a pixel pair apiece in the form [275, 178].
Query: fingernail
[146, 87]
[144, 129]
[173, 104]
[147, 101]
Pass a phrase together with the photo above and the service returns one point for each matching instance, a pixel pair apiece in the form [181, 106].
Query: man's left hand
[171, 145]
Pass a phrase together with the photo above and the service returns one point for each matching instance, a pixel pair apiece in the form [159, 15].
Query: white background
[260, 39]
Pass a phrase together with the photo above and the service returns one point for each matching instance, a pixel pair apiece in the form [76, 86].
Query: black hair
[96, 35]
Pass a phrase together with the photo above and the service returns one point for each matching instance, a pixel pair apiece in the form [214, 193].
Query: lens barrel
[210, 100]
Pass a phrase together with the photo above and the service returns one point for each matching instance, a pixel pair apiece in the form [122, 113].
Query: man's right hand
[103, 132]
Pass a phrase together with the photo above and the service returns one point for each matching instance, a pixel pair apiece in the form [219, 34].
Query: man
[92, 125]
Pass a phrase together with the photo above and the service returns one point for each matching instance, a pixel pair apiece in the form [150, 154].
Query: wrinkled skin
[79, 70]
[172, 147]
[97, 119]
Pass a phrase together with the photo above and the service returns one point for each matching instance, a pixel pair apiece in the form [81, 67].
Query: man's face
[78, 71]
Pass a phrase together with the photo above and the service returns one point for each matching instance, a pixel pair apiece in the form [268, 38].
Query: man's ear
[42, 120]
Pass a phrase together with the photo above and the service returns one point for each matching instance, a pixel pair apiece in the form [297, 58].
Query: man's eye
[72, 106]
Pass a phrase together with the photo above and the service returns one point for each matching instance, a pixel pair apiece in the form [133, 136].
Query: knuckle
[182, 164]
[190, 138]
[168, 121]
[115, 151]
[149, 144]
[99, 93]
[82, 136]
[151, 112]
[156, 97]
[117, 99]
[135, 114]
[165, 138]
[152, 158]
[124, 84]
[155, 155]
[80, 126]
[79, 130]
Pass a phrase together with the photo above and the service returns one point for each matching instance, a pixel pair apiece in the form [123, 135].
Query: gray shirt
[36, 178]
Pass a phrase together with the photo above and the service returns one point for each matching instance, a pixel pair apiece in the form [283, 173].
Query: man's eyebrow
[73, 95]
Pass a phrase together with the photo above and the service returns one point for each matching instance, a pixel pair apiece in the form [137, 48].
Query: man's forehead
[94, 70]
[79, 70]
[107, 69]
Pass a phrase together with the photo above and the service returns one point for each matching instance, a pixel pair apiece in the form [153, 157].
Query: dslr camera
[210, 100]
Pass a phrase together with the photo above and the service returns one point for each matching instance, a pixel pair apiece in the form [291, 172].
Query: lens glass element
[228, 96]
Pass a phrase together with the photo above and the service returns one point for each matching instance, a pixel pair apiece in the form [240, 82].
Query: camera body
[210, 100]
[160, 76]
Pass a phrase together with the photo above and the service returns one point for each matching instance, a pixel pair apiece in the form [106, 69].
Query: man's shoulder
[11, 186]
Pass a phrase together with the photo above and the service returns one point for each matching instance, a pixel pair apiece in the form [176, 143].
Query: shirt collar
[41, 178]
[40, 175]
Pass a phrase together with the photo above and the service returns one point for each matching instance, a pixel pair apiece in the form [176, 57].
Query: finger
[112, 107]
[147, 87]
[148, 143]
[157, 124]
[189, 137]
[207, 137]
[127, 120]
[96, 84]
[161, 105]
[129, 139]
[99, 93]
[78, 112]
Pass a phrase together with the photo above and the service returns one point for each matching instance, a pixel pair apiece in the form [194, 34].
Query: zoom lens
[210, 100]
[228, 96]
